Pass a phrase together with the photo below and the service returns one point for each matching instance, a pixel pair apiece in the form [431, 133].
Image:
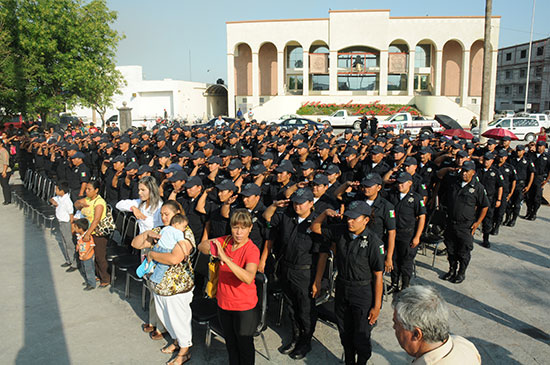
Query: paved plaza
[502, 307]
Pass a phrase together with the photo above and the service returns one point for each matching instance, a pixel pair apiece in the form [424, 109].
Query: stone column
[493, 83]
[281, 73]
[333, 72]
[465, 77]
[438, 71]
[305, 74]
[125, 117]
[255, 81]
[383, 76]
[410, 75]
[231, 109]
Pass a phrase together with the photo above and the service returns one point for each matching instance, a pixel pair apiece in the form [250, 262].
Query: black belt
[296, 267]
[353, 282]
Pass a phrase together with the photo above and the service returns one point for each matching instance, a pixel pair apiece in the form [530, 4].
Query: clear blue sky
[160, 33]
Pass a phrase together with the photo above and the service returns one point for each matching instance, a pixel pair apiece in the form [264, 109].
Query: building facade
[153, 99]
[436, 63]
[512, 77]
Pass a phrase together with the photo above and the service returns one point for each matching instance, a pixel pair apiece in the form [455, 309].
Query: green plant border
[318, 108]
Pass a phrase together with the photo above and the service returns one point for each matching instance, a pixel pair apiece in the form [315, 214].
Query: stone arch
[243, 69]
[476, 68]
[451, 68]
[267, 63]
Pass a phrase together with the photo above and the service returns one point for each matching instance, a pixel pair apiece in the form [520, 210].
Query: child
[85, 252]
[64, 214]
[169, 237]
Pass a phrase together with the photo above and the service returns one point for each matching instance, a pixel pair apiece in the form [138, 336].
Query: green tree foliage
[63, 53]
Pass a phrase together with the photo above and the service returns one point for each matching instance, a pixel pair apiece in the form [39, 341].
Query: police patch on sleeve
[83, 174]
[392, 213]
[381, 249]
[422, 203]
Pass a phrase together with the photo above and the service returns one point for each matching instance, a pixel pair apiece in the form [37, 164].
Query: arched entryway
[398, 65]
[216, 100]
[267, 59]
[452, 68]
[243, 70]
[476, 68]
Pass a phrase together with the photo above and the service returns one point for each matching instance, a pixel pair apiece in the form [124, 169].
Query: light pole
[529, 58]
[486, 87]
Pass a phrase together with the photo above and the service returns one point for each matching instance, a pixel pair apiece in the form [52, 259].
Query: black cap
[245, 153]
[225, 153]
[163, 153]
[298, 137]
[302, 145]
[332, 169]
[208, 146]
[506, 138]
[302, 195]
[374, 150]
[267, 156]
[323, 146]
[349, 151]
[235, 164]
[371, 180]
[257, 169]
[357, 208]
[285, 166]
[423, 150]
[178, 176]
[308, 164]
[132, 166]
[227, 184]
[119, 158]
[541, 143]
[193, 181]
[489, 156]
[215, 159]
[462, 154]
[468, 166]
[320, 179]
[72, 147]
[502, 153]
[251, 189]
[404, 177]
[172, 168]
[78, 155]
[197, 155]
[125, 139]
[521, 147]
[491, 141]
[348, 130]
[144, 168]
[409, 161]
[475, 140]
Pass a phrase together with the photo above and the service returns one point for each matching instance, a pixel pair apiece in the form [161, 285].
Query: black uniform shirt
[541, 164]
[508, 174]
[383, 217]
[80, 174]
[407, 210]
[356, 257]
[523, 167]
[491, 179]
[462, 202]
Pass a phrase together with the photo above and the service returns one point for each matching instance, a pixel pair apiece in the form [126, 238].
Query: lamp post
[529, 59]
[486, 87]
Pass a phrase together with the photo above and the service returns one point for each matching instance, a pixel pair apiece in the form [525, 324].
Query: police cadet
[489, 176]
[508, 174]
[541, 162]
[125, 150]
[111, 177]
[466, 204]
[525, 174]
[298, 249]
[359, 258]
[410, 215]
[78, 177]
[217, 224]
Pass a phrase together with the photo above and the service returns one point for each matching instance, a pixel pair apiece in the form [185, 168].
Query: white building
[434, 62]
[150, 98]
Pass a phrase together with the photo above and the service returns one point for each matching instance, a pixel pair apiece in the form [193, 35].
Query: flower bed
[318, 108]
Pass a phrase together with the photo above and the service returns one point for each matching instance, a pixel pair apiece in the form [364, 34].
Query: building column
[465, 77]
[383, 76]
[493, 82]
[333, 72]
[280, 73]
[231, 109]
[255, 100]
[410, 75]
[305, 62]
[438, 71]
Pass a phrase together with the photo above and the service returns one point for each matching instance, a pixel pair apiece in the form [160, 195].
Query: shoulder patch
[422, 203]
[381, 247]
[392, 213]
[83, 174]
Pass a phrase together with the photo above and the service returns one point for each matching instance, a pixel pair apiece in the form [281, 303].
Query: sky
[161, 35]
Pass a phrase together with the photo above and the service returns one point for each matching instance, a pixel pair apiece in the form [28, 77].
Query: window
[400, 118]
[538, 71]
[358, 82]
[422, 55]
[537, 89]
[295, 83]
[320, 82]
[521, 89]
[540, 51]
[526, 122]
[505, 123]
[294, 57]
[508, 75]
[522, 72]
[397, 82]
[508, 56]
[523, 53]
[339, 114]
[507, 90]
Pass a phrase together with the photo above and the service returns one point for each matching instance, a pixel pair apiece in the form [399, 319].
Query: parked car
[341, 118]
[283, 117]
[543, 118]
[408, 122]
[212, 121]
[524, 128]
[300, 122]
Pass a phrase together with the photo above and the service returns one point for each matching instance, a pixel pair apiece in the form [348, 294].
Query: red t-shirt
[233, 294]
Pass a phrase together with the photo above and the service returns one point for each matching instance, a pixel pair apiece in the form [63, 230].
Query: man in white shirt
[421, 324]
[64, 213]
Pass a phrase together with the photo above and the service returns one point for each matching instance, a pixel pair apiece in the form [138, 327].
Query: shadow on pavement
[523, 255]
[43, 329]
[492, 353]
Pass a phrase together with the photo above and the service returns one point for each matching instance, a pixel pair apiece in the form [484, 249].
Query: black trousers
[238, 331]
[403, 259]
[487, 224]
[296, 286]
[514, 204]
[534, 196]
[352, 307]
[499, 212]
[460, 243]
[6, 189]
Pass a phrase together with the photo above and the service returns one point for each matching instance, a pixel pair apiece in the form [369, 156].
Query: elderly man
[421, 324]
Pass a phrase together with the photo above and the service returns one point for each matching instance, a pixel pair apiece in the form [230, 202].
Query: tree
[64, 51]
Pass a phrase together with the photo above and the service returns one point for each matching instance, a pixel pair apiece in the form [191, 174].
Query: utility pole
[486, 86]
[529, 59]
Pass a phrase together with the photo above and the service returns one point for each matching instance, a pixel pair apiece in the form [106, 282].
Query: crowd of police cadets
[367, 197]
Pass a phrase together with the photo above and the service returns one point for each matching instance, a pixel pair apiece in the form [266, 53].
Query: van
[524, 128]
[543, 118]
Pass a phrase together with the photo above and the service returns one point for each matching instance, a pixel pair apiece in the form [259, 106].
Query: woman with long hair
[147, 208]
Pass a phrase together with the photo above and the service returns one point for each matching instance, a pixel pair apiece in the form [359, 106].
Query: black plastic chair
[125, 249]
[202, 307]
[214, 327]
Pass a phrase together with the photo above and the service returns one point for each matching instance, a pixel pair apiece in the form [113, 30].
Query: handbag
[178, 279]
[106, 226]
[213, 273]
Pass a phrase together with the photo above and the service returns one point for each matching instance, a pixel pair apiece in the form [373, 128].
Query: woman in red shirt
[236, 295]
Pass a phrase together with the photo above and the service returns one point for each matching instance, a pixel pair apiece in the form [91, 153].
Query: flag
[422, 203]
[381, 249]
[392, 213]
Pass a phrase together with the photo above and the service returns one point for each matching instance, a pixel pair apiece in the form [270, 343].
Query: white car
[524, 128]
[284, 117]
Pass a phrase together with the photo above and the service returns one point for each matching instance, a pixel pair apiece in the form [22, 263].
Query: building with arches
[434, 62]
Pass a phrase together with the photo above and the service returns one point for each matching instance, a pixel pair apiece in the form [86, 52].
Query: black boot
[532, 217]
[302, 348]
[494, 231]
[291, 346]
[452, 272]
[486, 242]
[405, 281]
[512, 221]
[460, 276]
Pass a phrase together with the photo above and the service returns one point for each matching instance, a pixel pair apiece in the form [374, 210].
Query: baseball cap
[374, 150]
[132, 166]
[332, 169]
[357, 208]
[302, 195]
[78, 155]
[251, 189]
[489, 156]
[257, 170]
[491, 141]
[197, 155]
[409, 161]
[371, 180]
[163, 153]
[461, 154]
[215, 159]
[285, 166]
[227, 184]
[245, 153]
[404, 177]
[541, 143]
[423, 150]
[172, 168]
[125, 139]
[520, 147]
[320, 179]
[267, 156]
[468, 166]
[308, 164]
[235, 164]
[193, 181]
[178, 176]
[144, 168]
[506, 138]
[119, 158]
[502, 153]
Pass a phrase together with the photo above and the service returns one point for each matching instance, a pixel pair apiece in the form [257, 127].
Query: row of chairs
[33, 197]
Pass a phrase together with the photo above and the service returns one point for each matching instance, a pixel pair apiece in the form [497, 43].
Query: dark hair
[178, 218]
[174, 205]
[63, 186]
[95, 184]
[82, 223]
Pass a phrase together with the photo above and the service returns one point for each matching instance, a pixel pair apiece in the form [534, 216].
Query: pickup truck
[408, 122]
[341, 118]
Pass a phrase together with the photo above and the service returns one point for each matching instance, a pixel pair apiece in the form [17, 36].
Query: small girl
[85, 251]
